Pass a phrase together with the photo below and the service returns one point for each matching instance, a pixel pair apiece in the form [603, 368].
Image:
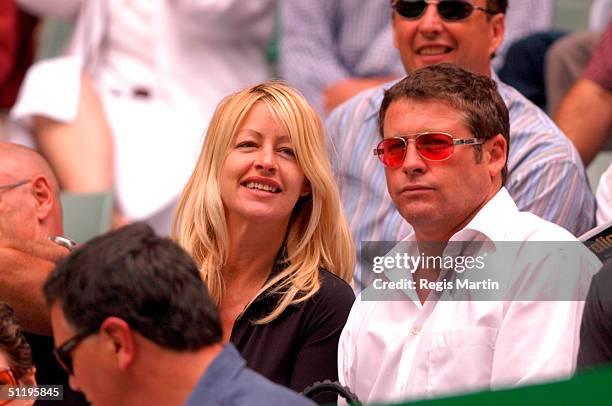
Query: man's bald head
[31, 210]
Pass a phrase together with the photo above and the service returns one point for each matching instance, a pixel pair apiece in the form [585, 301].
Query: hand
[338, 93]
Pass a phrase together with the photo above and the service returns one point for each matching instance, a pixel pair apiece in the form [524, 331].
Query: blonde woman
[262, 217]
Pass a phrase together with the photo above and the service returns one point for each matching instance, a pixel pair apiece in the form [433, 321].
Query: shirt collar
[220, 374]
[490, 223]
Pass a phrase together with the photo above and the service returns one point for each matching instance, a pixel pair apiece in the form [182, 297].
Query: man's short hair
[484, 111]
[498, 6]
[148, 281]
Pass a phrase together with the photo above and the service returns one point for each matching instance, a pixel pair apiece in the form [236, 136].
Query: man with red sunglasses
[545, 174]
[429, 331]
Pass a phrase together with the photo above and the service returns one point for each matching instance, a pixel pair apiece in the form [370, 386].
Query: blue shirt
[545, 174]
[228, 382]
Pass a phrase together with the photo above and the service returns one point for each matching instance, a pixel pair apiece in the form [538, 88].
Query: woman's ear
[306, 189]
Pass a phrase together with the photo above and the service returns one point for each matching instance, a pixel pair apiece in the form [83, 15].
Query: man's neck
[168, 377]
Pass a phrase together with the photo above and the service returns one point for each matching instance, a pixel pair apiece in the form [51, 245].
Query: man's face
[17, 219]
[468, 43]
[438, 198]
[92, 369]
[28, 208]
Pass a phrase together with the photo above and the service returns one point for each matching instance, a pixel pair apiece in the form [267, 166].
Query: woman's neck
[253, 248]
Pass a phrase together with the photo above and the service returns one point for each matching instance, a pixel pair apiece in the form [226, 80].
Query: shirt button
[416, 330]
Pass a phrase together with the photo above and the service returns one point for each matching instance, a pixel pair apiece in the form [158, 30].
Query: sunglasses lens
[410, 9]
[454, 10]
[7, 378]
[435, 147]
[392, 152]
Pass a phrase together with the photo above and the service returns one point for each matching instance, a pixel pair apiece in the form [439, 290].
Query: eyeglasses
[449, 10]
[433, 146]
[14, 185]
[62, 353]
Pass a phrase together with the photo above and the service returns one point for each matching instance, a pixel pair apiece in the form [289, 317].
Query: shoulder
[334, 289]
[257, 390]
[535, 228]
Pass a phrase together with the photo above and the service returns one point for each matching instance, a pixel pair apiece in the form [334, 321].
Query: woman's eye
[287, 151]
[246, 144]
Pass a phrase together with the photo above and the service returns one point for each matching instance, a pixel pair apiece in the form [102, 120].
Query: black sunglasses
[449, 10]
[62, 352]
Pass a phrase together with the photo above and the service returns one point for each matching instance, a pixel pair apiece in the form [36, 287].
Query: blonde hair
[317, 235]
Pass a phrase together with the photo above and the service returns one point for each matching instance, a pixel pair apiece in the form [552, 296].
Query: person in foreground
[262, 218]
[134, 325]
[16, 367]
[444, 148]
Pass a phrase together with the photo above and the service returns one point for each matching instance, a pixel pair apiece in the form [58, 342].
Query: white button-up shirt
[398, 350]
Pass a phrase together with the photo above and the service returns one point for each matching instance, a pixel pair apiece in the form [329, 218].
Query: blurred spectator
[159, 69]
[567, 57]
[30, 212]
[332, 50]
[134, 325]
[16, 54]
[16, 367]
[585, 114]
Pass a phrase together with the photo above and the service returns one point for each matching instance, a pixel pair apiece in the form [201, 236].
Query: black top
[596, 330]
[300, 347]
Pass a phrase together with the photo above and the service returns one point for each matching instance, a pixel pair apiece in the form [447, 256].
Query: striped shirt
[323, 42]
[545, 174]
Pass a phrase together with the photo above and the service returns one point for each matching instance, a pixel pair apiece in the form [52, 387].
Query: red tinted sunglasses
[433, 146]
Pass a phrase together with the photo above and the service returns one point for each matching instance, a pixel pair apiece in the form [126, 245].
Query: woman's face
[27, 379]
[261, 179]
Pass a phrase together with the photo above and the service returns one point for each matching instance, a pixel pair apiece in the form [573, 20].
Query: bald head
[31, 210]
[23, 162]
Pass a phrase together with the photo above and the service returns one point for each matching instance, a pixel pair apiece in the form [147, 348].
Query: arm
[555, 190]
[585, 115]
[538, 338]
[317, 358]
[339, 92]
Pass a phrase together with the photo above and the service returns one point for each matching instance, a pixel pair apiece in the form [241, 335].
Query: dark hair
[148, 281]
[476, 96]
[499, 6]
[13, 343]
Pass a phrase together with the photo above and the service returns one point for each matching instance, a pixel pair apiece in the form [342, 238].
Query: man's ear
[497, 29]
[43, 195]
[119, 341]
[495, 150]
